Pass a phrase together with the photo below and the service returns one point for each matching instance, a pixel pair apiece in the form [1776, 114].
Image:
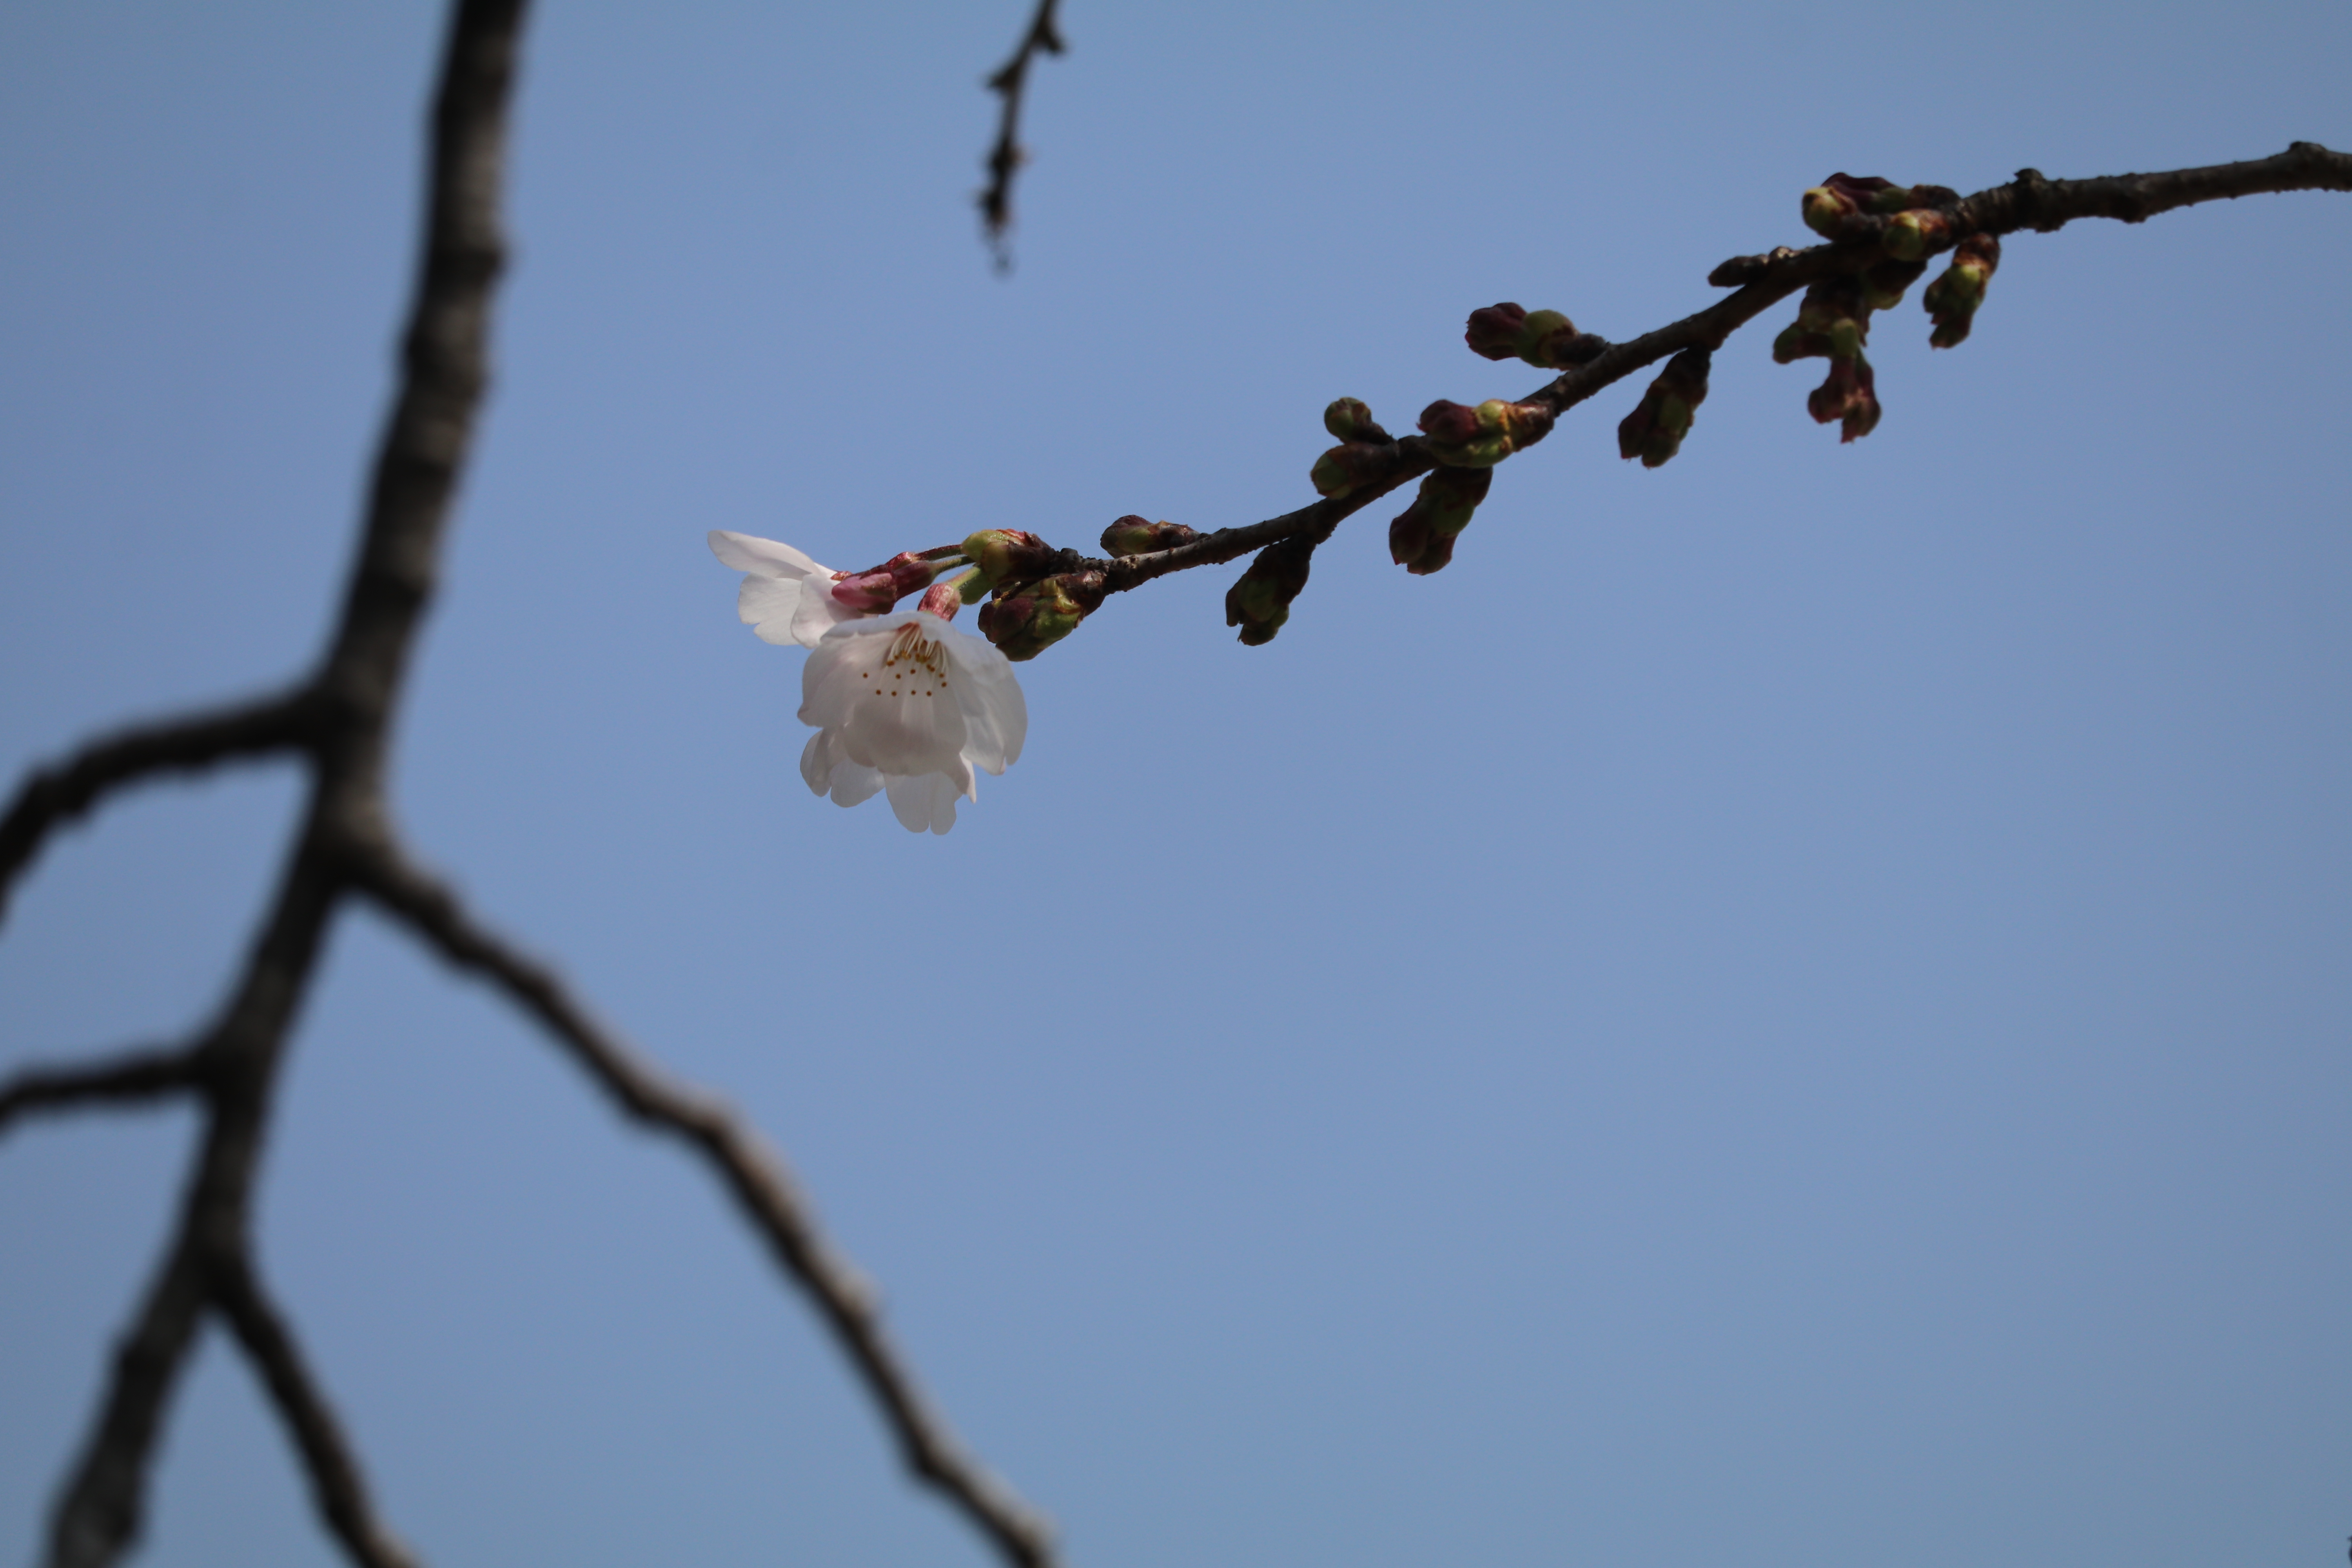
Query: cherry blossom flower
[786, 596]
[905, 703]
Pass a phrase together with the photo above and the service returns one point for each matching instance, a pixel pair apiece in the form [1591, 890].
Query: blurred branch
[124, 1079]
[335, 1483]
[56, 794]
[751, 1170]
[1004, 159]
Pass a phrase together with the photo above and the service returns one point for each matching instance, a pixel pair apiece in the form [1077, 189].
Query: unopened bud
[1349, 420]
[1883, 282]
[1832, 322]
[1850, 395]
[1350, 465]
[1133, 535]
[1006, 555]
[1654, 432]
[1953, 297]
[1041, 614]
[1461, 436]
[1829, 206]
[1545, 339]
[1911, 234]
[1259, 600]
[1421, 537]
[874, 591]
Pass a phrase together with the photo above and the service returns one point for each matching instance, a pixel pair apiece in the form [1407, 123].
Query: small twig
[336, 1486]
[123, 1079]
[1005, 158]
[57, 794]
[752, 1170]
[2029, 201]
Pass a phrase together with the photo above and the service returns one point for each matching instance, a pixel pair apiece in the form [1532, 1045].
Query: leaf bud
[1421, 539]
[1461, 436]
[1259, 600]
[1953, 297]
[1654, 432]
[1006, 555]
[873, 592]
[1133, 535]
[1349, 420]
[1027, 622]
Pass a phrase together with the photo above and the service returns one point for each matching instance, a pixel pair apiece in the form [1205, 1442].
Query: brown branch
[347, 715]
[56, 794]
[751, 1171]
[97, 1514]
[125, 1080]
[2029, 201]
[1004, 159]
[336, 1486]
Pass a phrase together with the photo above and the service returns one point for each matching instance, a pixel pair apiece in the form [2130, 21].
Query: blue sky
[1790, 1009]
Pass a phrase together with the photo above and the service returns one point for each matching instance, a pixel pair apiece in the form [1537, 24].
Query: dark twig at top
[339, 720]
[1004, 159]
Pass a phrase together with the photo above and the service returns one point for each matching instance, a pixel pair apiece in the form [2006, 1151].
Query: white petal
[818, 759]
[764, 557]
[767, 605]
[996, 716]
[888, 696]
[853, 785]
[922, 803]
[818, 612]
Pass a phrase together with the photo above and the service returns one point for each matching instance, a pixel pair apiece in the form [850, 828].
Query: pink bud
[873, 592]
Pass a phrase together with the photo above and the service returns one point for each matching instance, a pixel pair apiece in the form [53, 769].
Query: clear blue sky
[1787, 1011]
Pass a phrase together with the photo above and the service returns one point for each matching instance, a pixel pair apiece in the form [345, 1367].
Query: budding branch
[337, 722]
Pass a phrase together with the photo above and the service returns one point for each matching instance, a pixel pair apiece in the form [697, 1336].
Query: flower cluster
[902, 703]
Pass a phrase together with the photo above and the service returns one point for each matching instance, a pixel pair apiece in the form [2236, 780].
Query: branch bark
[757, 1176]
[124, 1079]
[55, 795]
[2029, 201]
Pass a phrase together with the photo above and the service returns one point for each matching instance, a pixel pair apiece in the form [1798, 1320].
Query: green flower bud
[1460, 436]
[1006, 555]
[1421, 539]
[1910, 236]
[1031, 620]
[1953, 297]
[1654, 432]
[1349, 420]
[1259, 600]
[1830, 205]
[1133, 535]
[1350, 465]
[1545, 339]
[1884, 282]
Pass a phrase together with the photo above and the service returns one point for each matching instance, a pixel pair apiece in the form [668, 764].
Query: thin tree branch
[124, 1079]
[336, 1485]
[1004, 159]
[755, 1173]
[56, 794]
[2029, 201]
[99, 1513]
